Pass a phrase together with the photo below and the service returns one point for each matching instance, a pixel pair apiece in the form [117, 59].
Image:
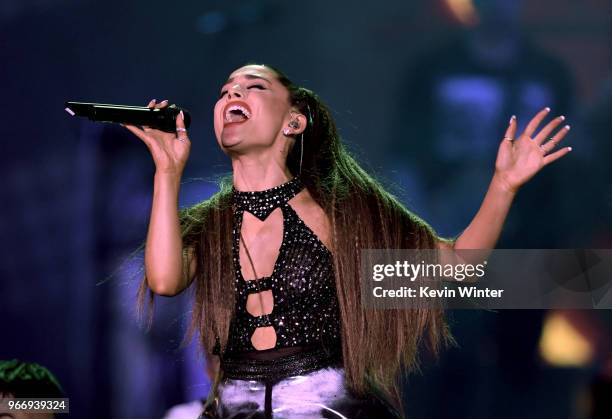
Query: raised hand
[169, 150]
[518, 160]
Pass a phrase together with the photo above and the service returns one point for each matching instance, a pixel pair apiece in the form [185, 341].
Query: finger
[556, 155]
[181, 131]
[162, 104]
[151, 105]
[533, 124]
[139, 133]
[511, 130]
[556, 139]
[544, 132]
[155, 105]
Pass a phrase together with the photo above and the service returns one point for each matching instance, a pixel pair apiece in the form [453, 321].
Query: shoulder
[312, 215]
[305, 202]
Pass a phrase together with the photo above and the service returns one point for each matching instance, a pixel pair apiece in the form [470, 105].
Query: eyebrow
[248, 76]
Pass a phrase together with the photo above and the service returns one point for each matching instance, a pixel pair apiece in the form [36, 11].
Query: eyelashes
[253, 86]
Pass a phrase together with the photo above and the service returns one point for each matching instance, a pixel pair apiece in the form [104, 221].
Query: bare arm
[486, 226]
[518, 160]
[164, 254]
[164, 246]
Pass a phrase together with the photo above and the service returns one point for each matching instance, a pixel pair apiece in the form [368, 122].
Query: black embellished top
[305, 312]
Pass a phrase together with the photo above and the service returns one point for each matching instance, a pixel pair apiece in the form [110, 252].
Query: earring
[294, 124]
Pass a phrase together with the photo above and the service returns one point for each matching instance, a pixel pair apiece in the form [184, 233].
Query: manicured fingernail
[567, 127]
[562, 118]
[569, 149]
[512, 118]
[182, 116]
[547, 109]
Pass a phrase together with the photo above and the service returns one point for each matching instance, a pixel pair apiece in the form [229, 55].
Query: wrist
[500, 184]
[172, 178]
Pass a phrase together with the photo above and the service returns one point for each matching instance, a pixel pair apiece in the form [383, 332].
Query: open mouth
[236, 113]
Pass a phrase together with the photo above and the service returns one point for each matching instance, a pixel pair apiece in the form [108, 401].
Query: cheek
[216, 120]
[274, 116]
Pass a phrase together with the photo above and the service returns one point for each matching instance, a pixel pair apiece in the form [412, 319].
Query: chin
[230, 141]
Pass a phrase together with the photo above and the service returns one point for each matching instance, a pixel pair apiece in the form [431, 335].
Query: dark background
[422, 92]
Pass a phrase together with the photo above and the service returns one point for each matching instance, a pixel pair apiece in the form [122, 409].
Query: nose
[237, 91]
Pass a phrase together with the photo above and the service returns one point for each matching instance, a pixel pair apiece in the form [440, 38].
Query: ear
[294, 115]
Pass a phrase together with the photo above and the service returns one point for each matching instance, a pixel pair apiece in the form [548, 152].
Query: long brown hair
[375, 343]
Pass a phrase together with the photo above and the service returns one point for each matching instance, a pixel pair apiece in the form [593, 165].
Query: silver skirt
[317, 394]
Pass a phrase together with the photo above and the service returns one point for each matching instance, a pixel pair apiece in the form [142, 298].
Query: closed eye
[253, 86]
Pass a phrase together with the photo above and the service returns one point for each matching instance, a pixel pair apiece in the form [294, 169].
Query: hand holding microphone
[164, 128]
[169, 150]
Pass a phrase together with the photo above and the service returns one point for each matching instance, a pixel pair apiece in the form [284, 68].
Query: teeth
[234, 108]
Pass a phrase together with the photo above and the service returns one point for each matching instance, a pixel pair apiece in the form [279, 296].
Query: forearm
[164, 247]
[485, 229]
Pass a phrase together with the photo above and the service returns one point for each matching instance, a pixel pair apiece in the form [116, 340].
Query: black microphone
[163, 119]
